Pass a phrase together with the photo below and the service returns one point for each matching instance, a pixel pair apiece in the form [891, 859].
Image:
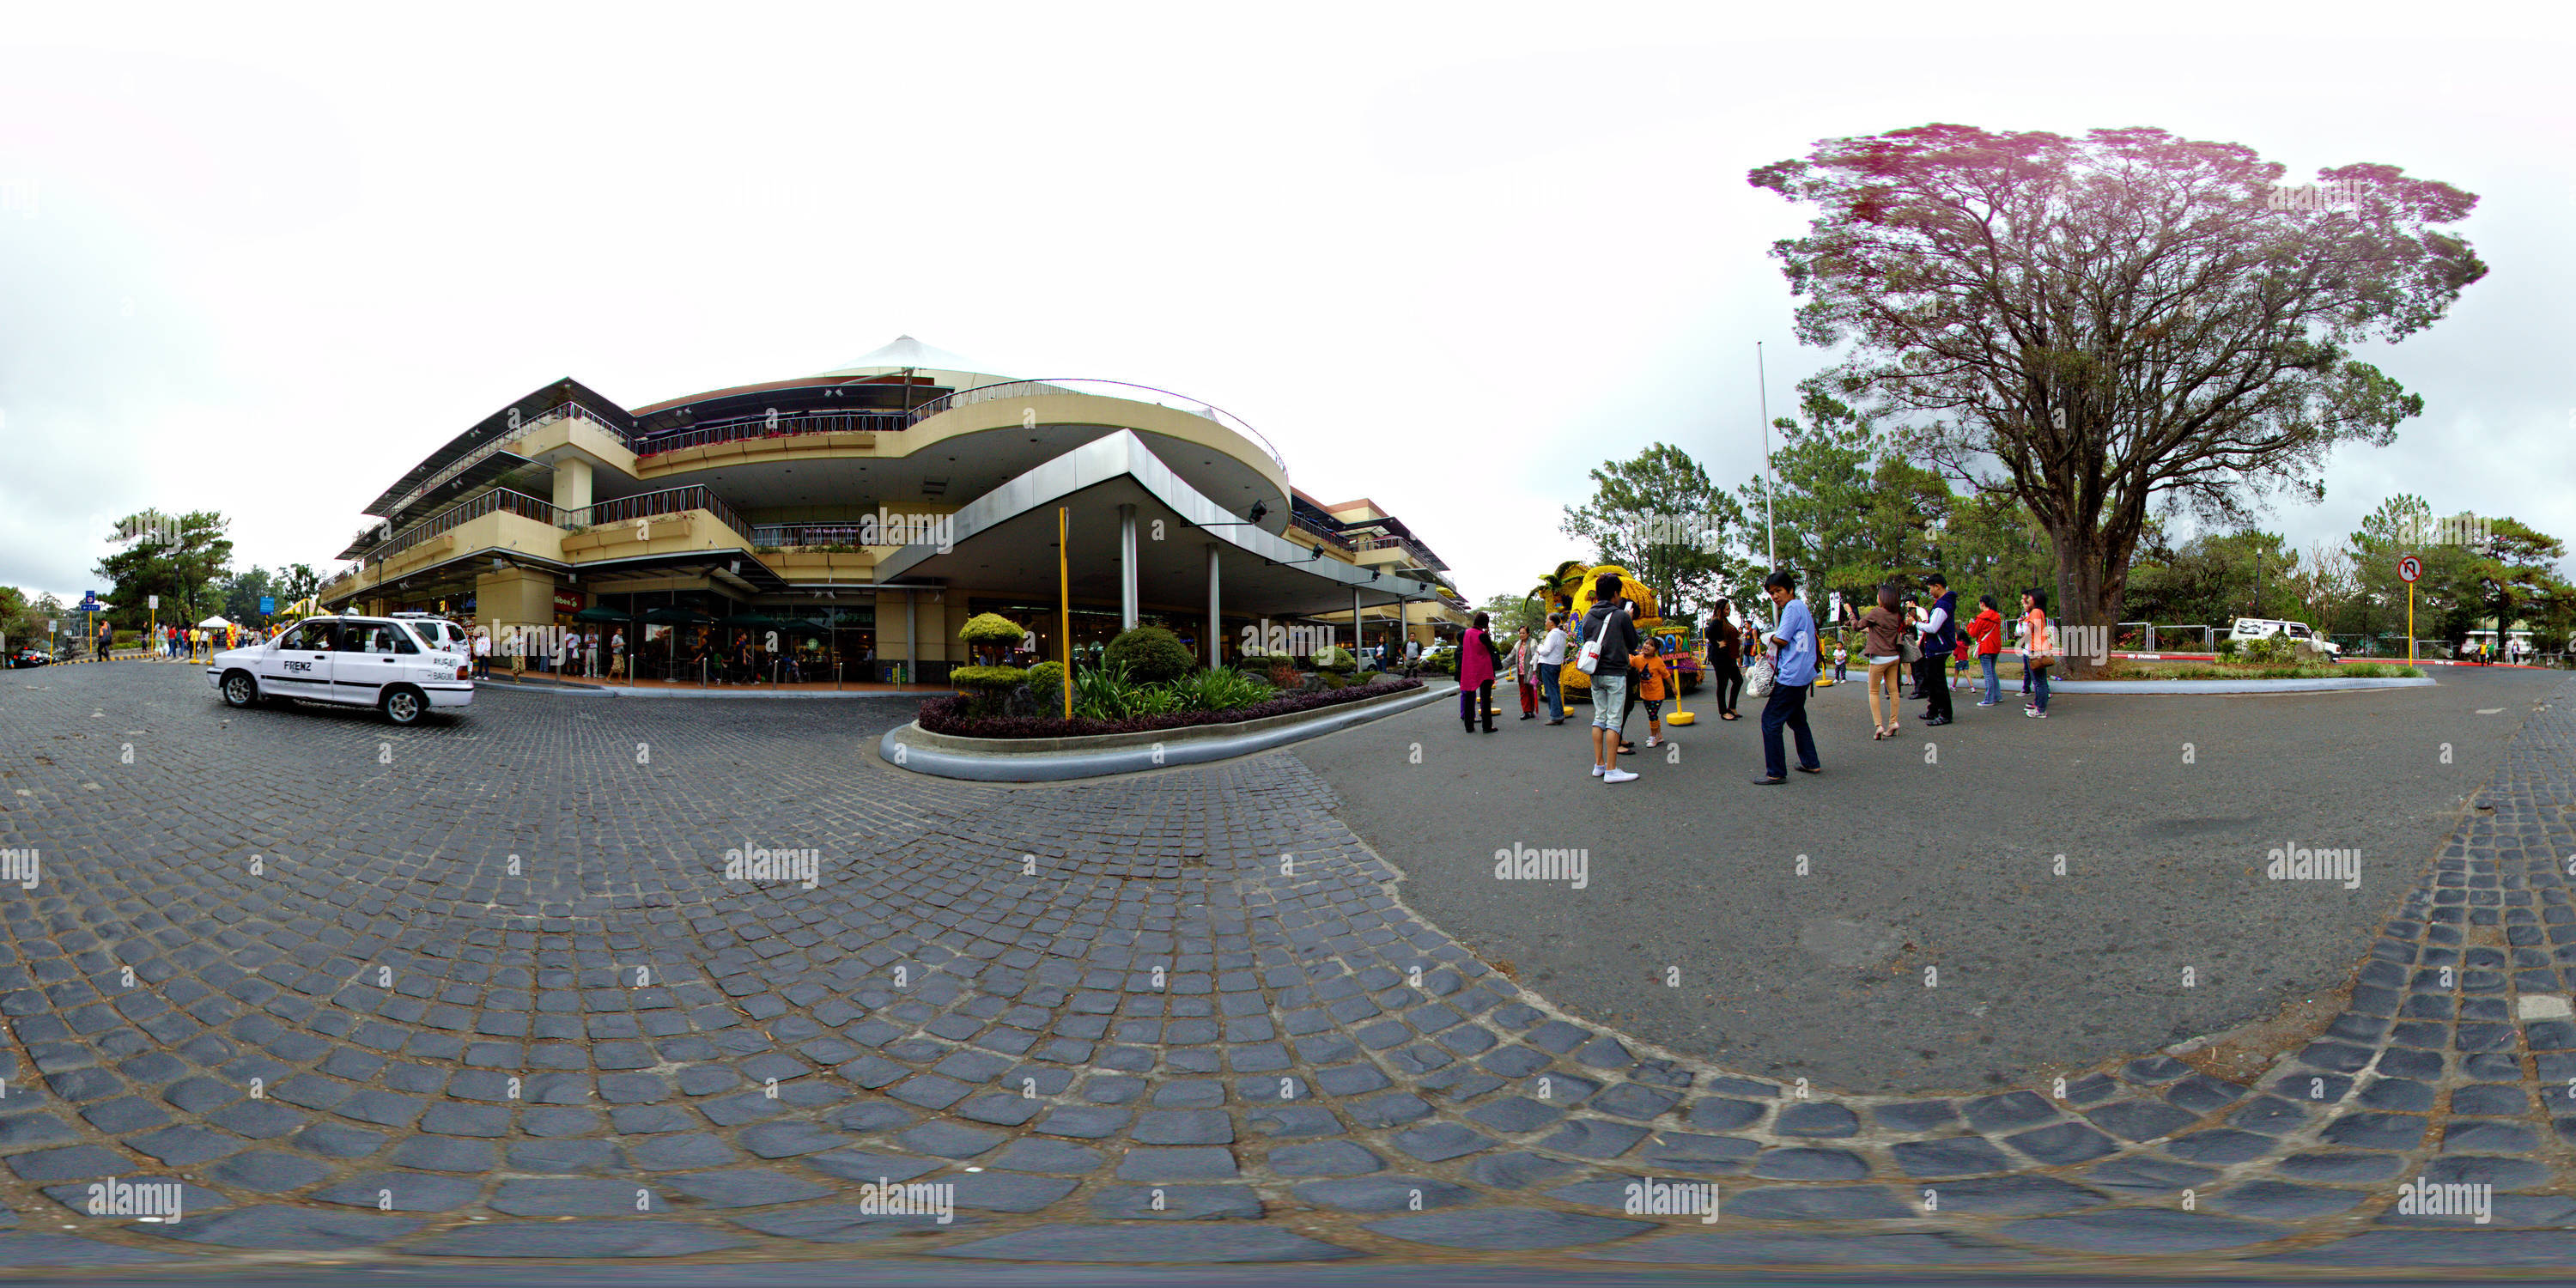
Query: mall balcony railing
[1420, 555]
[782, 425]
[561, 411]
[677, 500]
[496, 501]
[1013, 390]
[789, 535]
[1329, 536]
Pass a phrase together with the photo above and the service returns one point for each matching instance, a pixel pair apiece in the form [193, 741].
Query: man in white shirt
[1551, 666]
[483, 654]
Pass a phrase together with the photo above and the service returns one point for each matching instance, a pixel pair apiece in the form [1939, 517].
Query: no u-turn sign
[2409, 568]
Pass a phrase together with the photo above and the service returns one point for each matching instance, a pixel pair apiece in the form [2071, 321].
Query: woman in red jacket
[1987, 630]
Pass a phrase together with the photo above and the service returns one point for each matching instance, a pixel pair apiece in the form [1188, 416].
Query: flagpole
[1762, 381]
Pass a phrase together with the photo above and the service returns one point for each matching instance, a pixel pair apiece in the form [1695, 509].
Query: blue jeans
[2039, 682]
[1994, 687]
[1550, 689]
[1787, 706]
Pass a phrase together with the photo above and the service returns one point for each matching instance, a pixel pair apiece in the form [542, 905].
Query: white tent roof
[214, 621]
[907, 352]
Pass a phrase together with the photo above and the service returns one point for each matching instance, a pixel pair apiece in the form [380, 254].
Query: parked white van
[2256, 628]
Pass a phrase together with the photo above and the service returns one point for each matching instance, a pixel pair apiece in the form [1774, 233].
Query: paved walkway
[488, 991]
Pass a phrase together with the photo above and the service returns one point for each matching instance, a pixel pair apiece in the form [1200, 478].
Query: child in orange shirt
[1657, 681]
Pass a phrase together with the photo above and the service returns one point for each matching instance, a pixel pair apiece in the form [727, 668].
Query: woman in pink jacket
[1477, 661]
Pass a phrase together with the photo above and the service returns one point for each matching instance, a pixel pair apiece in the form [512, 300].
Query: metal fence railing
[1017, 389]
[498, 500]
[677, 500]
[773, 425]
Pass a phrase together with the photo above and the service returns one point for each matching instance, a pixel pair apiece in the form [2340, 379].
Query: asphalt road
[1935, 852]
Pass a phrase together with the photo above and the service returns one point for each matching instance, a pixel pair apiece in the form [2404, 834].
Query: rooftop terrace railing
[772, 425]
[1018, 389]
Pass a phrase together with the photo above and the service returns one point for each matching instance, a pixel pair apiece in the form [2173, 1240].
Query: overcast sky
[262, 260]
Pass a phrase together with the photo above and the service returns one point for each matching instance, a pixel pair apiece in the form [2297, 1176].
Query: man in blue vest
[1940, 629]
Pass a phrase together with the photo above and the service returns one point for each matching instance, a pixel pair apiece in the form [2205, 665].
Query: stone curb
[2187, 688]
[1177, 747]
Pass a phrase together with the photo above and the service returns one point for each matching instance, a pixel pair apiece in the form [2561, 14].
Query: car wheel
[240, 690]
[404, 706]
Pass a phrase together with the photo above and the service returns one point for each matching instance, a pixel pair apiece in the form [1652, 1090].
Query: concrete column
[1126, 567]
[572, 485]
[1216, 620]
[1403, 628]
[1355, 619]
[911, 639]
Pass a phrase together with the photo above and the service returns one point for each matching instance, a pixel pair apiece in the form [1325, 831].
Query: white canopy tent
[215, 622]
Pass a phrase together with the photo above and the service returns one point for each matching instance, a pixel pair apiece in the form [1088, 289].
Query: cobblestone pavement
[484, 989]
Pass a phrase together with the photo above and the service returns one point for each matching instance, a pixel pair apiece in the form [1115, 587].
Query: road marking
[2491, 711]
[2542, 1006]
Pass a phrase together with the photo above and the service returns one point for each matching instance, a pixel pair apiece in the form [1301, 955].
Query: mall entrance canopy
[1138, 534]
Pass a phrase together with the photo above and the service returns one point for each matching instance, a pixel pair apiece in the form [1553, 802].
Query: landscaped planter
[1023, 760]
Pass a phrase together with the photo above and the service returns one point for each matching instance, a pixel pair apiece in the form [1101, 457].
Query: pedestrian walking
[1550, 661]
[1940, 638]
[1610, 639]
[518, 653]
[1987, 630]
[483, 654]
[1726, 659]
[1795, 677]
[617, 655]
[1882, 634]
[1477, 662]
[2039, 650]
[1525, 673]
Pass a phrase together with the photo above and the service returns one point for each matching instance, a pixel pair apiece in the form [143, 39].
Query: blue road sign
[267, 605]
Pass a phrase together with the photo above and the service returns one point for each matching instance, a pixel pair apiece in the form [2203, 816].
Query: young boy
[1656, 680]
[1842, 656]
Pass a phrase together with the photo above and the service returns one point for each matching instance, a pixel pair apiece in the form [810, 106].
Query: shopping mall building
[860, 516]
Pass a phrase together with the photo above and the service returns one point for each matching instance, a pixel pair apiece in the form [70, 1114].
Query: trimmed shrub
[992, 630]
[955, 716]
[1336, 659]
[987, 677]
[1149, 654]
[1046, 681]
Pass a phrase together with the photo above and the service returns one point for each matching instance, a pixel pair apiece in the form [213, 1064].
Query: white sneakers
[1596, 771]
[1618, 776]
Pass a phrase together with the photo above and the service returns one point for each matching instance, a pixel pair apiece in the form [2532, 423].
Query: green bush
[1336, 659]
[1046, 681]
[987, 677]
[2271, 650]
[1149, 654]
[1219, 691]
[992, 630]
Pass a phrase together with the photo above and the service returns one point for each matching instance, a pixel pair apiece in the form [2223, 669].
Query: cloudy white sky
[261, 260]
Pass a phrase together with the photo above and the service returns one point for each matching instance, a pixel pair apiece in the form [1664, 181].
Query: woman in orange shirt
[2039, 649]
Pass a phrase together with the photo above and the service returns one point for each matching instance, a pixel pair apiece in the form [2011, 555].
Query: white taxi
[404, 667]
